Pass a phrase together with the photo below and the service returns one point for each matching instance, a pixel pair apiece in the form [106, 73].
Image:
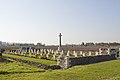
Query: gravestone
[54, 55]
[32, 50]
[29, 51]
[75, 54]
[68, 54]
[38, 52]
[100, 51]
[108, 51]
[41, 52]
[90, 53]
[83, 54]
[22, 52]
[61, 53]
[96, 53]
[48, 55]
[56, 51]
[45, 52]
[52, 52]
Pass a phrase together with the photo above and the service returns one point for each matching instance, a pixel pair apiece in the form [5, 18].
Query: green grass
[9, 66]
[101, 71]
[2, 60]
[43, 61]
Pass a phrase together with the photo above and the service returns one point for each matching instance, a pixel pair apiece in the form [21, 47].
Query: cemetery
[60, 57]
[42, 62]
[16, 71]
[59, 40]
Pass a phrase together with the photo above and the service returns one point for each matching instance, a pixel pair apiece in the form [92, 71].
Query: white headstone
[41, 52]
[22, 52]
[45, 52]
[54, 56]
[96, 53]
[108, 51]
[75, 54]
[62, 52]
[29, 50]
[52, 51]
[32, 51]
[100, 51]
[90, 53]
[68, 53]
[47, 55]
[37, 51]
[57, 52]
[83, 54]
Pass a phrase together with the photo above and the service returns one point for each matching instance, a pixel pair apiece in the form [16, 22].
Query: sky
[32, 21]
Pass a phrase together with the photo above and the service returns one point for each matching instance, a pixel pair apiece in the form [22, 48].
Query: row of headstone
[113, 53]
[48, 52]
[40, 52]
[81, 53]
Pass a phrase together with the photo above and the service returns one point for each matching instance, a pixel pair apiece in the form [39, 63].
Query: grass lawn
[43, 61]
[10, 67]
[100, 71]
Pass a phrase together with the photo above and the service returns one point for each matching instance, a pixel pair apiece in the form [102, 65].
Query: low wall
[68, 62]
[90, 59]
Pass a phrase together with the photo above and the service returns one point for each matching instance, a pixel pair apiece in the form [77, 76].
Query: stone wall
[68, 62]
[91, 59]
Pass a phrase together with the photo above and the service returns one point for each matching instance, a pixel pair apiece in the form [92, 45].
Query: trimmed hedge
[39, 65]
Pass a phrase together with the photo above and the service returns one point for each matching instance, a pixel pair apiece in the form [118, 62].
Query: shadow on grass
[14, 72]
[4, 60]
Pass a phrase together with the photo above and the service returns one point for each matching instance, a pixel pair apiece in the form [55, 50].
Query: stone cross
[59, 48]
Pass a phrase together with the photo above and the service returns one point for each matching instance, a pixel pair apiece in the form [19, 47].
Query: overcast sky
[79, 21]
